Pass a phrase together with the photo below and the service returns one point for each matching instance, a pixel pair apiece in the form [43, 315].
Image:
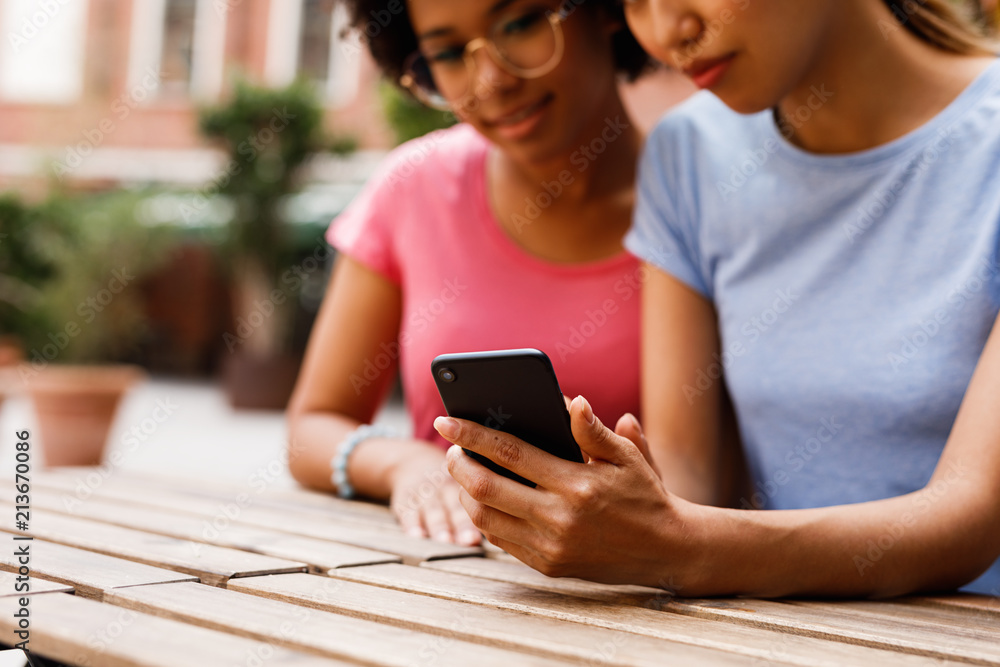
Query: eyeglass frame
[555, 18]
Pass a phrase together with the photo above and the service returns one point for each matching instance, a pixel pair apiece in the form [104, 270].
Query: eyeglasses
[527, 43]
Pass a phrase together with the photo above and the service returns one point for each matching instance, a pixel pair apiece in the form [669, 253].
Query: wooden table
[136, 570]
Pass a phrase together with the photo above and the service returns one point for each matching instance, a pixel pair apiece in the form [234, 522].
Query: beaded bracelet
[339, 461]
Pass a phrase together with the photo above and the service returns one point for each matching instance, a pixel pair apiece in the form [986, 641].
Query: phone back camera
[446, 375]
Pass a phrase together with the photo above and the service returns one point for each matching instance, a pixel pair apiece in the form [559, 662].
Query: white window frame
[284, 25]
[208, 48]
[282, 62]
[344, 70]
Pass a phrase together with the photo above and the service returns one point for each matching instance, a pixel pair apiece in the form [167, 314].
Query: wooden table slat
[90, 574]
[78, 631]
[964, 644]
[875, 624]
[299, 499]
[246, 512]
[927, 618]
[212, 564]
[988, 605]
[517, 572]
[313, 579]
[759, 643]
[297, 496]
[313, 630]
[320, 555]
[483, 624]
[35, 585]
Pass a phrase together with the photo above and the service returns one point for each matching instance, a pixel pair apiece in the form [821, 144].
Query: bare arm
[939, 537]
[687, 412]
[358, 321]
[360, 311]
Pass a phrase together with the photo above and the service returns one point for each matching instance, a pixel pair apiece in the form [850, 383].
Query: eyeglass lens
[524, 42]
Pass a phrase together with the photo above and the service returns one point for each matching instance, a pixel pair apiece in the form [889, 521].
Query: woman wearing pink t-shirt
[503, 232]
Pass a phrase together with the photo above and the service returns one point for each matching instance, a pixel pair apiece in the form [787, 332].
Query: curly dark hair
[385, 26]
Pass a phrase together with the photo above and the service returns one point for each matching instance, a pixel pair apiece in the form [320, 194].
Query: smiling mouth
[521, 114]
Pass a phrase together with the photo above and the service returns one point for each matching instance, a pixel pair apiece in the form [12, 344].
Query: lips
[706, 73]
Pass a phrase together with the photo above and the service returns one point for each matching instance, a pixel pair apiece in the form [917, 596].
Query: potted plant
[88, 318]
[269, 135]
[25, 266]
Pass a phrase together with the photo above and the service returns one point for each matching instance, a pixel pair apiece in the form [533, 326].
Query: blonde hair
[947, 24]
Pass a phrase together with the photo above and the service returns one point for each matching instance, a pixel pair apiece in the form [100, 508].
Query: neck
[873, 82]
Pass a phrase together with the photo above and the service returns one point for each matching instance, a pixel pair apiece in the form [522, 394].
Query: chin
[547, 142]
[741, 106]
[745, 102]
[538, 151]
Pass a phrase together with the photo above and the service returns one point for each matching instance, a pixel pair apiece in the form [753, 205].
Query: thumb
[595, 439]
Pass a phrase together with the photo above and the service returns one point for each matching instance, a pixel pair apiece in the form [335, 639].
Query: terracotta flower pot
[76, 406]
[11, 354]
[11, 351]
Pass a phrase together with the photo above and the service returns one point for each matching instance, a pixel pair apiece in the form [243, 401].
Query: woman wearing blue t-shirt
[823, 232]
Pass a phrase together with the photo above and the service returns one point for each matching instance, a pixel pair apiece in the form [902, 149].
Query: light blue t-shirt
[854, 292]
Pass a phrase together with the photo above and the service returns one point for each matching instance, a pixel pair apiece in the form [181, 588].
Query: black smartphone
[514, 391]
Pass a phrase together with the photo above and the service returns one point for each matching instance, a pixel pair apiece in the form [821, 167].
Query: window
[43, 54]
[177, 55]
[315, 40]
[181, 43]
[304, 41]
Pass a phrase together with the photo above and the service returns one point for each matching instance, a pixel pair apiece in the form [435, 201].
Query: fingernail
[635, 422]
[470, 537]
[588, 412]
[415, 532]
[447, 427]
[443, 536]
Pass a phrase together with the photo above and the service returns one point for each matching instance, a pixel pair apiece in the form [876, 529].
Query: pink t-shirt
[424, 222]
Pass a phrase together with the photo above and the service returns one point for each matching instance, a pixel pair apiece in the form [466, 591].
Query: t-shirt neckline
[983, 84]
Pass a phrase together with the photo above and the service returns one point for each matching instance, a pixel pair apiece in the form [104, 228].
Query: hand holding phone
[514, 391]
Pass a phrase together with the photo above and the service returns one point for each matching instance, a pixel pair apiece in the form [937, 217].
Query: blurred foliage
[407, 117]
[84, 258]
[269, 135]
[26, 266]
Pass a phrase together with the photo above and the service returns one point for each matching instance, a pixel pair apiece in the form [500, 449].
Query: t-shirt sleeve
[661, 234]
[364, 231]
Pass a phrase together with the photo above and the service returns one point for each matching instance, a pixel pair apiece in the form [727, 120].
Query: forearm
[937, 538]
[682, 477]
[689, 454]
[314, 438]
